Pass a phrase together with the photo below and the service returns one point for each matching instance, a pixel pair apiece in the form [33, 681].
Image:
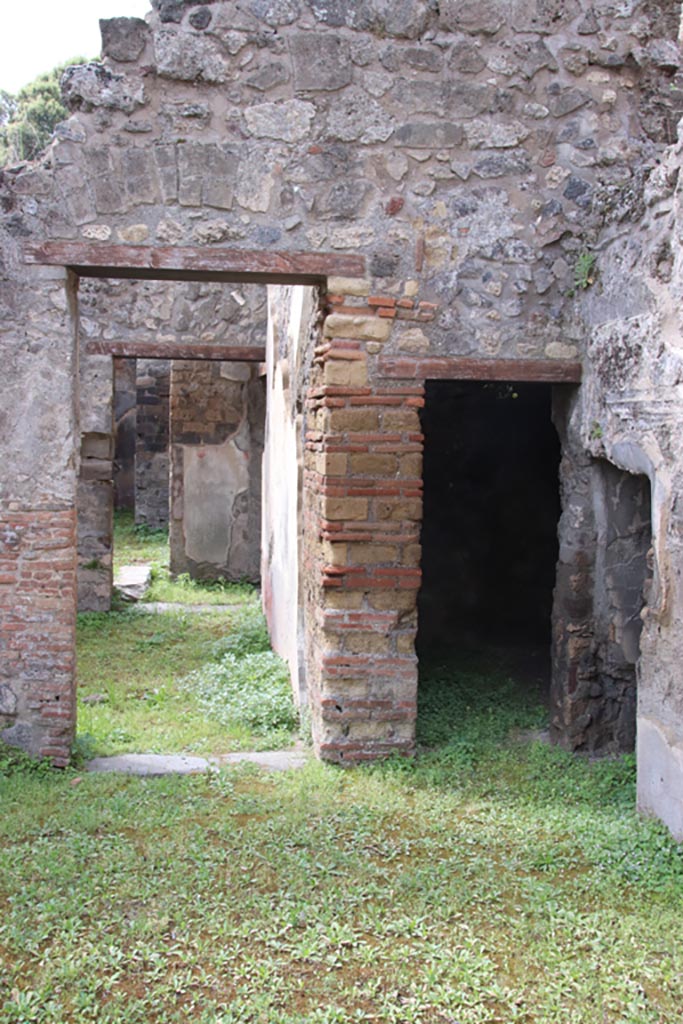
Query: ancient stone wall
[133, 313]
[467, 154]
[152, 438]
[471, 146]
[217, 426]
[125, 428]
[601, 586]
[632, 417]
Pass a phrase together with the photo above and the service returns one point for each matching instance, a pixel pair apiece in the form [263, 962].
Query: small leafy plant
[247, 684]
[249, 635]
[251, 690]
[584, 270]
[15, 762]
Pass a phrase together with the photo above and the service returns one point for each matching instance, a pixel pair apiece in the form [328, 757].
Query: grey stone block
[89, 86]
[123, 39]
[477, 17]
[321, 62]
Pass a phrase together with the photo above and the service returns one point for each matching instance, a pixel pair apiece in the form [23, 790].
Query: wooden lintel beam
[178, 263]
[550, 371]
[171, 350]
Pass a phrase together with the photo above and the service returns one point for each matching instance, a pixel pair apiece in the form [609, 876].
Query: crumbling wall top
[469, 150]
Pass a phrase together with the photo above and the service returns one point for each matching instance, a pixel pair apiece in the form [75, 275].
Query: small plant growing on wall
[584, 270]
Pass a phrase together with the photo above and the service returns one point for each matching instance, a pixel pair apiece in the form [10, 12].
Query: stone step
[157, 607]
[132, 581]
[185, 764]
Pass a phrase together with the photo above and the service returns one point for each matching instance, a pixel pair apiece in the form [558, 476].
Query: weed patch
[247, 684]
[165, 682]
[14, 762]
[183, 590]
[491, 880]
[253, 689]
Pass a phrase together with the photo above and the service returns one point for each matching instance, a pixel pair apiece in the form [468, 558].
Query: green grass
[138, 545]
[139, 673]
[183, 590]
[135, 665]
[491, 880]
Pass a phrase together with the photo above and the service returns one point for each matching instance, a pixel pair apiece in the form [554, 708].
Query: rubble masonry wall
[472, 153]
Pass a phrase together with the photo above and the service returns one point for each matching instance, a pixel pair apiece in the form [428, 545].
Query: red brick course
[37, 623]
[362, 510]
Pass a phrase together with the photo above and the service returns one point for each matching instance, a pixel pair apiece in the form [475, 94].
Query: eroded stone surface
[184, 764]
[123, 39]
[131, 581]
[88, 86]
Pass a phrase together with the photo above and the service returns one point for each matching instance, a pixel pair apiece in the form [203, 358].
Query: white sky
[37, 35]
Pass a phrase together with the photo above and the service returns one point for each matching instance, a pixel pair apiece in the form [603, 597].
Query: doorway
[489, 535]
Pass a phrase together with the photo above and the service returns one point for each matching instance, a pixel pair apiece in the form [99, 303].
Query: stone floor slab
[273, 760]
[184, 764]
[149, 764]
[157, 607]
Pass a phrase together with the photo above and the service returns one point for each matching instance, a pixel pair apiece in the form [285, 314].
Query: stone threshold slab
[155, 765]
[157, 607]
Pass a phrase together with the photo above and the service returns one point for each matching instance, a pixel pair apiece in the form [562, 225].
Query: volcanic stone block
[321, 63]
[123, 39]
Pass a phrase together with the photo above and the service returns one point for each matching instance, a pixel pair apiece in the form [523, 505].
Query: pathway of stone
[185, 764]
[156, 607]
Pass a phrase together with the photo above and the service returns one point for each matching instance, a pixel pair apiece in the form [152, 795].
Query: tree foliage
[28, 120]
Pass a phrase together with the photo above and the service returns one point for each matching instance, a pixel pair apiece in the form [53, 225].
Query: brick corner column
[37, 630]
[363, 508]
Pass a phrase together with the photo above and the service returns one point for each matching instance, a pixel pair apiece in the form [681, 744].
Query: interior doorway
[489, 535]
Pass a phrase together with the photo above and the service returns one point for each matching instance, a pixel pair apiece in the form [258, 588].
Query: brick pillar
[125, 429]
[95, 492]
[95, 499]
[39, 359]
[362, 509]
[37, 630]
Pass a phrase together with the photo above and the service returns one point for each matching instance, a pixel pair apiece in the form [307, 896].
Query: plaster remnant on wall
[215, 477]
[660, 754]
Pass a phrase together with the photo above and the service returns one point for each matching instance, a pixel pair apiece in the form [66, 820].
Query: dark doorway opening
[489, 536]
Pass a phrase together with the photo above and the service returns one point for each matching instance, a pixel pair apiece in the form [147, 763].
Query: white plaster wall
[290, 312]
[214, 475]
